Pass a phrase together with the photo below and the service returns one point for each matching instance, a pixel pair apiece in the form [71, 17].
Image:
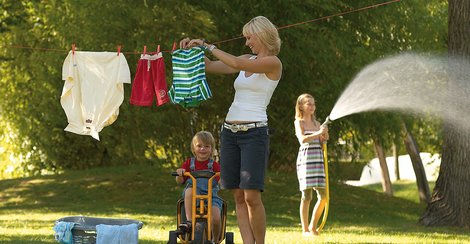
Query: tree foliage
[318, 57]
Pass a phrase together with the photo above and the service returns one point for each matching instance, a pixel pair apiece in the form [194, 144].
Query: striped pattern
[310, 165]
[189, 86]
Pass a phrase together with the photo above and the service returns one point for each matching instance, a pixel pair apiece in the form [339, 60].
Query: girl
[310, 164]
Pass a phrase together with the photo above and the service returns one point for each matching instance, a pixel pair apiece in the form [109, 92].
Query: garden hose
[327, 185]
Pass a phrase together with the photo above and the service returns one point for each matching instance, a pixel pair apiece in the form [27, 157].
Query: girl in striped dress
[310, 164]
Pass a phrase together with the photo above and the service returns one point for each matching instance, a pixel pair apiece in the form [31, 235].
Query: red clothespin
[73, 48]
[145, 50]
[118, 49]
[174, 47]
[158, 49]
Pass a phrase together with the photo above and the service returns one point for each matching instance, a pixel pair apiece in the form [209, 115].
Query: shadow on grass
[151, 191]
[136, 190]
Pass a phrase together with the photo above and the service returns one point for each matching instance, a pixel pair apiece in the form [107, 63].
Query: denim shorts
[244, 158]
[202, 186]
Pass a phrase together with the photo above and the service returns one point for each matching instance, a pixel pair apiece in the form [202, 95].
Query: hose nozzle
[327, 121]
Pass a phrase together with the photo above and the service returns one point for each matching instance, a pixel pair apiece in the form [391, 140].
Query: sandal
[185, 226]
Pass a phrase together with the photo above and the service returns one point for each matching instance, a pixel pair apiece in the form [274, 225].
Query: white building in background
[372, 174]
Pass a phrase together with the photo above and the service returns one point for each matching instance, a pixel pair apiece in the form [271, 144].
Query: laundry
[93, 90]
[189, 86]
[63, 232]
[149, 81]
[117, 234]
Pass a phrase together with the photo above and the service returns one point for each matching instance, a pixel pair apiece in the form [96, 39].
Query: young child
[310, 164]
[202, 147]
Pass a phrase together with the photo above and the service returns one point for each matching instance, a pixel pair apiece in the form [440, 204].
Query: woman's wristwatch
[211, 47]
[208, 47]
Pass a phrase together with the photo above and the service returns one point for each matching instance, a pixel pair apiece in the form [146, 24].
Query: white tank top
[252, 96]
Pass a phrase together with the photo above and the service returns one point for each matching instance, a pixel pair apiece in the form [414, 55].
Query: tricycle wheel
[229, 238]
[173, 237]
[200, 236]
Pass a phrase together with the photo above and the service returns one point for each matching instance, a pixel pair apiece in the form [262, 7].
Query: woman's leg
[243, 216]
[257, 215]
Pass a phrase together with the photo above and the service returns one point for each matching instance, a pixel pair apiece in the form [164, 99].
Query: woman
[244, 138]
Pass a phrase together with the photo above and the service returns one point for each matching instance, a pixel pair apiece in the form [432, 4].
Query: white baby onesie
[93, 90]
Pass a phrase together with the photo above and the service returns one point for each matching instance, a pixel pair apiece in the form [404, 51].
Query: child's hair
[299, 114]
[206, 138]
[265, 31]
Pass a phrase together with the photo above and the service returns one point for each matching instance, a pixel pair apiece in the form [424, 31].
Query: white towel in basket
[117, 234]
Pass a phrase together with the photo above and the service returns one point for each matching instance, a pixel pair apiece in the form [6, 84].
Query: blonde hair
[265, 31]
[206, 138]
[299, 114]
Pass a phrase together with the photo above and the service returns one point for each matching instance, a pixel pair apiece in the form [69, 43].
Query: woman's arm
[267, 65]
[211, 66]
[218, 67]
[228, 63]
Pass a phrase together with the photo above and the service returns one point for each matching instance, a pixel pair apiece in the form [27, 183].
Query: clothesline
[227, 40]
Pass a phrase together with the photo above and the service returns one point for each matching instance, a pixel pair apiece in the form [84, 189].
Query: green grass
[403, 189]
[29, 207]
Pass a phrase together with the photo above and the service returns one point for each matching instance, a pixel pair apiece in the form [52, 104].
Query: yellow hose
[327, 188]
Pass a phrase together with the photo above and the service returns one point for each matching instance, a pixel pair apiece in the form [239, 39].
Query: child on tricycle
[202, 147]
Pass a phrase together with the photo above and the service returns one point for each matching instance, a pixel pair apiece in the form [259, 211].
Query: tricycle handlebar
[198, 174]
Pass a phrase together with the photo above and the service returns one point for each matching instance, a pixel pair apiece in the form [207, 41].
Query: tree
[386, 182]
[319, 58]
[450, 200]
[413, 151]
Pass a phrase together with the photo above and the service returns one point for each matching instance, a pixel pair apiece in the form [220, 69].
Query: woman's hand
[189, 43]
[184, 43]
[196, 42]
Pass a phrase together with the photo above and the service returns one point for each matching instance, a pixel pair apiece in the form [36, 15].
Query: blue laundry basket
[84, 231]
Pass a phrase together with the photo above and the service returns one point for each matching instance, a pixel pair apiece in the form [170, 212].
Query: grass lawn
[29, 207]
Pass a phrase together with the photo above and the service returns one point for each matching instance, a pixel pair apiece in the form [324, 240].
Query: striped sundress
[189, 86]
[310, 165]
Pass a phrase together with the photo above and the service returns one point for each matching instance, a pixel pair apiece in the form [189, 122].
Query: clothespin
[73, 48]
[158, 49]
[118, 49]
[174, 47]
[145, 50]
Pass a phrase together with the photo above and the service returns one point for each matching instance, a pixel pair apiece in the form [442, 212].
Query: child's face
[202, 151]
[308, 107]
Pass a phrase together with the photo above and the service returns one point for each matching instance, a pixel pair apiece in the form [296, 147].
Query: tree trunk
[386, 183]
[413, 152]
[397, 162]
[450, 202]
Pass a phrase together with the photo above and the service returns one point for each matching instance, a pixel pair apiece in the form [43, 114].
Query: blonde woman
[310, 164]
[244, 138]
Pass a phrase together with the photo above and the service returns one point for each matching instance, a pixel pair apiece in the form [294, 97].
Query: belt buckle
[233, 128]
[236, 128]
[243, 127]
